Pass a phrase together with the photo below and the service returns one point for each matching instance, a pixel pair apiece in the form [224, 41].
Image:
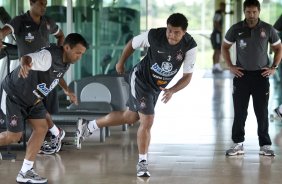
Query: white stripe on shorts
[132, 83]
[3, 101]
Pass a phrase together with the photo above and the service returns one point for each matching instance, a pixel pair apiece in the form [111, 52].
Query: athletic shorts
[51, 102]
[17, 113]
[142, 98]
[216, 39]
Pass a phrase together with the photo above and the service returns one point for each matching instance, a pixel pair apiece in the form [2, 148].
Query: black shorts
[17, 113]
[216, 39]
[142, 98]
[51, 102]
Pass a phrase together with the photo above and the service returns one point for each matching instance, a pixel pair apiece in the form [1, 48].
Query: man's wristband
[274, 66]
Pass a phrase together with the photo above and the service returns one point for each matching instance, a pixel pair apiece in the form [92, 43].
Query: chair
[97, 96]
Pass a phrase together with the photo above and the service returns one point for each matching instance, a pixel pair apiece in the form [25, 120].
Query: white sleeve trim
[228, 41]
[189, 60]
[11, 27]
[41, 61]
[57, 31]
[141, 40]
[276, 43]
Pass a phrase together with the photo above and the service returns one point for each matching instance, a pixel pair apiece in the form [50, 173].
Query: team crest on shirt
[29, 37]
[179, 55]
[14, 121]
[142, 103]
[262, 33]
[166, 66]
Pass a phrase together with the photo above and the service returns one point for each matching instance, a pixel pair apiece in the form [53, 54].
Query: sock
[92, 126]
[54, 130]
[217, 65]
[27, 165]
[142, 157]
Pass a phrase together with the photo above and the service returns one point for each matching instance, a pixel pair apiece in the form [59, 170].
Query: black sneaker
[30, 177]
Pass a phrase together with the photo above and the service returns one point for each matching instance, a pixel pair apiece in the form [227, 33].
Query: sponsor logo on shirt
[165, 70]
[44, 89]
[242, 44]
[29, 37]
[161, 82]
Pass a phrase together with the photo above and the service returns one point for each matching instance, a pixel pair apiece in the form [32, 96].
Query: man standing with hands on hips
[252, 70]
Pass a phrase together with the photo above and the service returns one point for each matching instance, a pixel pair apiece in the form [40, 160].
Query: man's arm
[67, 91]
[181, 83]
[136, 42]
[40, 61]
[6, 30]
[277, 49]
[225, 47]
[127, 51]
[60, 38]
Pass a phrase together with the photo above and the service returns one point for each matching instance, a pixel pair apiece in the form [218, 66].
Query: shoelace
[142, 166]
[236, 146]
[54, 140]
[31, 173]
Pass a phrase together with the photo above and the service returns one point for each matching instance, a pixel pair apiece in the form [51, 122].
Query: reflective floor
[189, 139]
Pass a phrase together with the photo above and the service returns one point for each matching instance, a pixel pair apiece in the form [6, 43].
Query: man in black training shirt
[32, 30]
[169, 48]
[25, 88]
[252, 70]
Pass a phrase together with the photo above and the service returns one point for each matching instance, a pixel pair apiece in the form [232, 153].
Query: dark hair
[33, 1]
[248, 3]
[178, 20]
[74, 38]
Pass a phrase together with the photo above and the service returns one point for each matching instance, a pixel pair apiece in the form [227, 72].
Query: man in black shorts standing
[169, 48]
[32, 31]
[216, 37]
[23, 91]
[252, 70]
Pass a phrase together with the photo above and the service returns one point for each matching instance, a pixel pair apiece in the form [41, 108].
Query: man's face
[252, 15]
[174, 34]
[39, 7]
[72, 55]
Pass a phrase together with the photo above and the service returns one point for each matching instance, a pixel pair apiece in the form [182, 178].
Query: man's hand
[120, 68]
[166, 95]
[237, 71]
[26, 65]
[72, 96]
[267, 71]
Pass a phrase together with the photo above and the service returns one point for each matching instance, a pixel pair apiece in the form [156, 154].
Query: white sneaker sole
[236, 153]
[265, 154]
[60, 145]
[78, 137]
[22, 180]
[143, 174]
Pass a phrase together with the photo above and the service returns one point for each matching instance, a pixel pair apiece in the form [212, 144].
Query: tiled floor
[189, 139]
